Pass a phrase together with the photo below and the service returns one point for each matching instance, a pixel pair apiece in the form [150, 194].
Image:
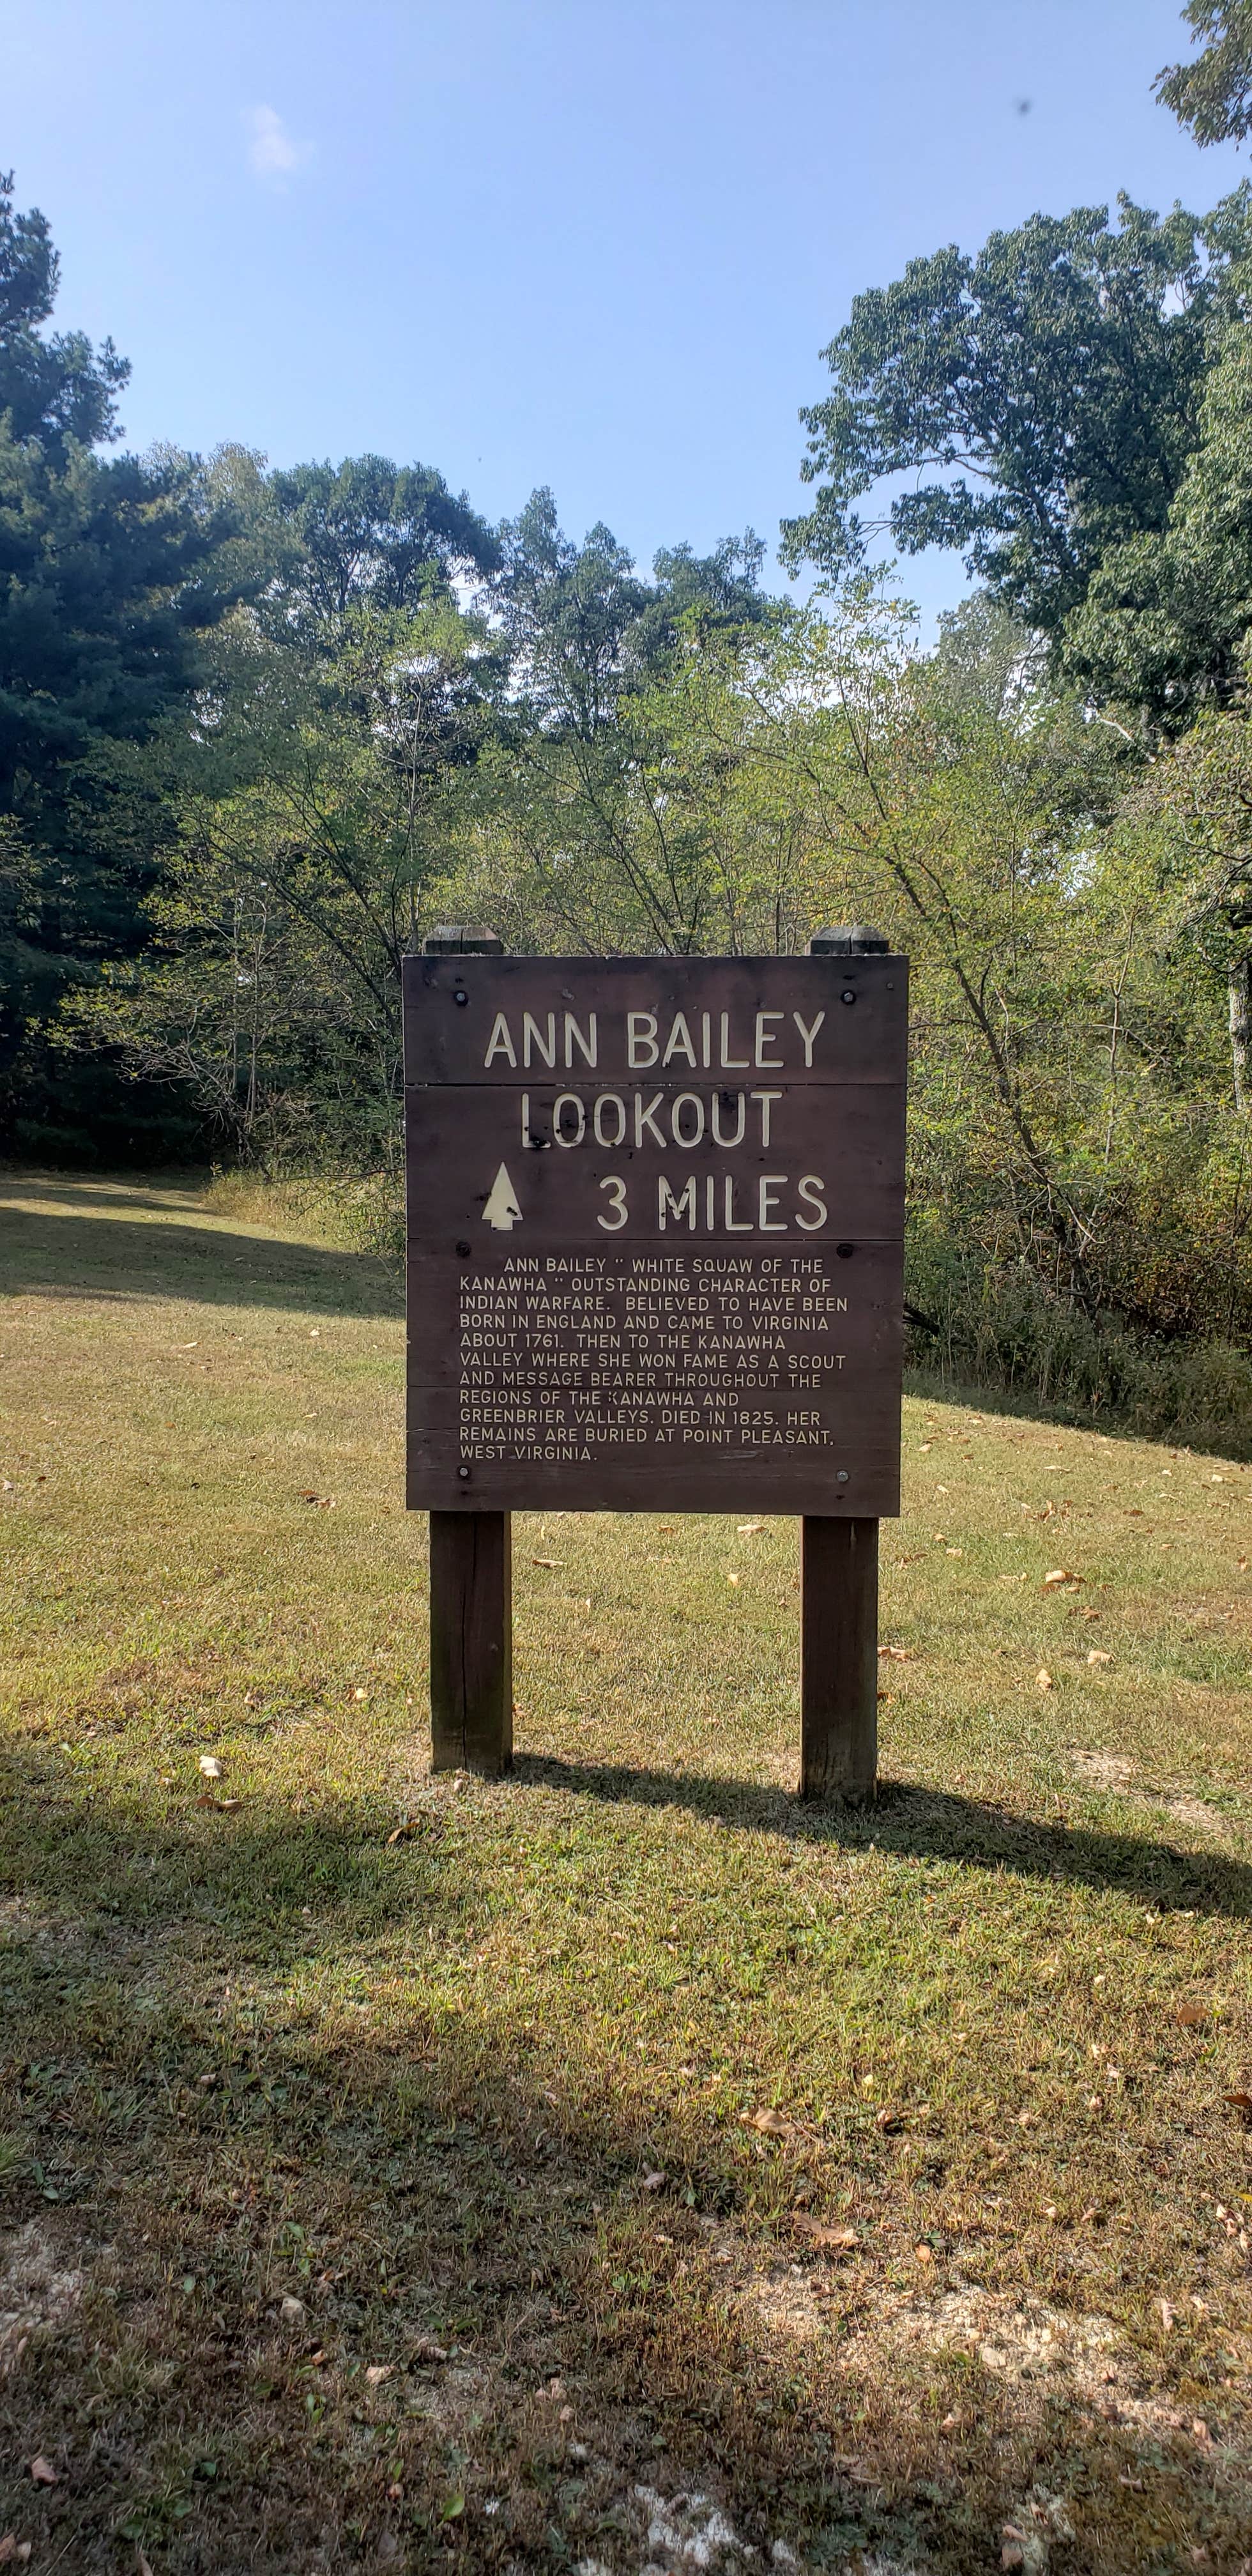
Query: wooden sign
[656, 1217]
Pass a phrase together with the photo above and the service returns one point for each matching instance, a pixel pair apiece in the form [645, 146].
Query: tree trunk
[1241, 1031]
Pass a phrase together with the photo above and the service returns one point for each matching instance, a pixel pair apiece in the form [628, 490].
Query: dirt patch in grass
[37, 2291]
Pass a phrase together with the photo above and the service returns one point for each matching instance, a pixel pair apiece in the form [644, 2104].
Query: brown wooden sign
[656, 1214]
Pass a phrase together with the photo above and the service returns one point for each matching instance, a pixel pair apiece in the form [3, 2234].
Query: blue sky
[592, 243]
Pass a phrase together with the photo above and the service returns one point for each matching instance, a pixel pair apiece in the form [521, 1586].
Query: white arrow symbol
[502, 1209]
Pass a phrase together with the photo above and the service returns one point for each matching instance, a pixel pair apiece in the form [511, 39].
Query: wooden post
[471, 1580]
[471, 1642]
[838, 1657]
[839, 1596]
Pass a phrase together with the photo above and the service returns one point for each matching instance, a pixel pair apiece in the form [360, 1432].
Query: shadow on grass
[73, 1255]
[410, 2295]
[928, 1824]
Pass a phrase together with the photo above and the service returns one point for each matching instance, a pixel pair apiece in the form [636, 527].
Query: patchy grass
[619, 2166]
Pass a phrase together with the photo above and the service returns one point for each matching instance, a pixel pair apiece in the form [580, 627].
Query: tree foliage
[1212, 94]
[1042, 396]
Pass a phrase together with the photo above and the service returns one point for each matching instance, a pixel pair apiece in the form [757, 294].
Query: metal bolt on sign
[655, 1263]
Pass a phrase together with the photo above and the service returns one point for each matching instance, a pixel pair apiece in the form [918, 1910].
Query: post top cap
[856, 940]
[457, 939]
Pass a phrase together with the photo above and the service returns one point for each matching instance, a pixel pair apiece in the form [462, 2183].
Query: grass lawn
[618, 2167]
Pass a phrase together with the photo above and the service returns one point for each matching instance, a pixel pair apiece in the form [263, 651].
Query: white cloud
[273, 153]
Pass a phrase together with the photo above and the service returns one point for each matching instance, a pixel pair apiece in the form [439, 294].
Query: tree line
[260, 729]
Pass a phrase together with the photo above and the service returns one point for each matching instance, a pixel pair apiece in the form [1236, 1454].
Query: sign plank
[655, 1233]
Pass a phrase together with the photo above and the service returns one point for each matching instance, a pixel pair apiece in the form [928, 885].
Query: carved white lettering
[765, 1098]
[533, 1035]
[667, 1205]
[767, 1063]
[574, 1038]
[605, 1101]
[679, 1042]
[568, 1100]
[646, 1117]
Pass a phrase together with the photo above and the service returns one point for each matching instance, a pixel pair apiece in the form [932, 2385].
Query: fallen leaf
[547, 1560]
[210, 1767]
[376, 2373]
[898, 1654]
[926, 1446]
[1167, 2315]
[1044, 1679]
[1189, 2016]
[292, 2310]
[424, 2350]
[1242, 2103]
[400, 1833]
[888, 2121]
[843, 2240]
[732, 1578]
[1059, 1574]
[360, 1694]
[923, 2253]
[42, 2471]
[750, 1529]
[321, 1501]
[772, 2124]
[954, 1551]
[652, 2181]
[1099, 1655]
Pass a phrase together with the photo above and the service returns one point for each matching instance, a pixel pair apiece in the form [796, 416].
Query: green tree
[57, 390]
[310, 825]
[585, 628]
[108, 584]
[1165, 621]
[1042, 396]
[1212, 94]
[368, 530]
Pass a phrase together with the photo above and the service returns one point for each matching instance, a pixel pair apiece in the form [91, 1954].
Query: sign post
[655, 1264]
